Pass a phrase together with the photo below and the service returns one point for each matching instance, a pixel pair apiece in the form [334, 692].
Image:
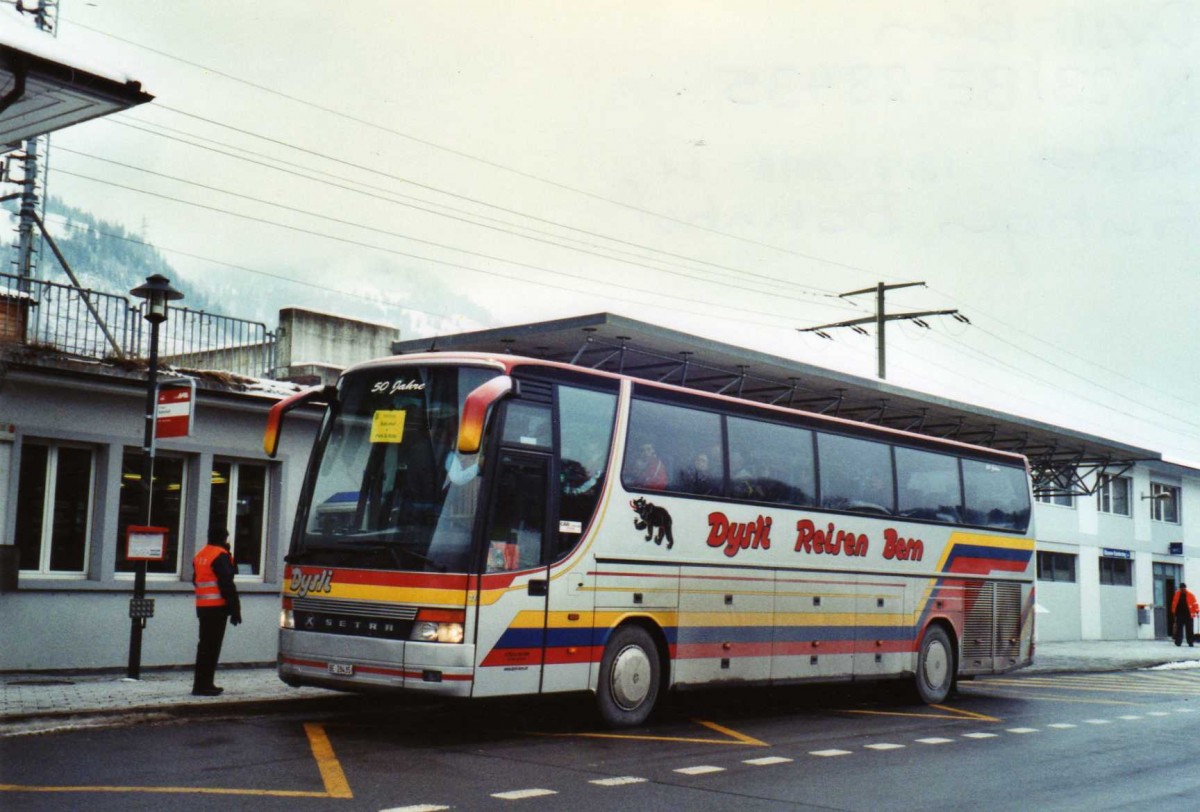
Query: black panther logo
[651, 518]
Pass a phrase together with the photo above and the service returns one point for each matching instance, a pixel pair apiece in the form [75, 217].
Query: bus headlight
[439, 626]
[434, 632]
[286, 619]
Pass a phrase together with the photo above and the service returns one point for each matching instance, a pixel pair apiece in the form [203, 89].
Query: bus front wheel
[630, 676]
[935, 666]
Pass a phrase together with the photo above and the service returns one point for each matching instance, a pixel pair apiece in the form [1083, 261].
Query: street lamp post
[158, 293]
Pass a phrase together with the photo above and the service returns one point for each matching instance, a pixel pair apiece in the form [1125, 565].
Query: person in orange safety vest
[1184, 609]
[216, 601]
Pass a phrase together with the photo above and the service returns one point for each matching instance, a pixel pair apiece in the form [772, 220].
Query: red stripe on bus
[690, 651]
[567, 655]
[430, 580]
[800, 649]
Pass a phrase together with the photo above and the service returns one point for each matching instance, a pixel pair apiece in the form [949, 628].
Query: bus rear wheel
[630, 676]
[935, 666]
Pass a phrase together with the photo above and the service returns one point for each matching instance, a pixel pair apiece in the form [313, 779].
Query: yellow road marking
[1098, 688]
[1054, 698]
[733, 734]
[331, 771]
[969, 714]
[334, 779]
[276, 793]
[735, 738]
[958, 716]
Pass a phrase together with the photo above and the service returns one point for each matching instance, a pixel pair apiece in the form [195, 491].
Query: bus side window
[856, 474]
[769, 462]
[929, 486]
[585, 420]
[674, 448]
[996, 495]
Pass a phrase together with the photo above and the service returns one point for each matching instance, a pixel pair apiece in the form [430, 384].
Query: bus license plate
[341, 669]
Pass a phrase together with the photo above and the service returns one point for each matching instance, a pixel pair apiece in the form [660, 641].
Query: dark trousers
[208, 650]
[1188, 623]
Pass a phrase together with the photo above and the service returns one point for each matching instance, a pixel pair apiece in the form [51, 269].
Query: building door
[1167, 578]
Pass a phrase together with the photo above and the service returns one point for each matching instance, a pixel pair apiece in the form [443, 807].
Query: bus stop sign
[173, 415]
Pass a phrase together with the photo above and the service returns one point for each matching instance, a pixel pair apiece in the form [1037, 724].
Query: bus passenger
[698, 478]
[648, 470]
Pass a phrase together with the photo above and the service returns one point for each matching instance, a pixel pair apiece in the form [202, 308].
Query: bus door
[512, 600]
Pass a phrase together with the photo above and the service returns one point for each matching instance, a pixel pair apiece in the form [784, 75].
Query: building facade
[70, 481]
[1109, 563]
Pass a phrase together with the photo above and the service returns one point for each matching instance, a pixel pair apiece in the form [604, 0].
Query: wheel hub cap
[631, 677]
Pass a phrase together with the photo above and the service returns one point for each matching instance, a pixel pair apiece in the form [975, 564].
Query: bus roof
[511, 363]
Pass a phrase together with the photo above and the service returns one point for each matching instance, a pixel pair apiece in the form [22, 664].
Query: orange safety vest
[208, 591]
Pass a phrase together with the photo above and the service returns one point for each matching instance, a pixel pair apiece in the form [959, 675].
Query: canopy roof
[44, 88]
[1063, 460]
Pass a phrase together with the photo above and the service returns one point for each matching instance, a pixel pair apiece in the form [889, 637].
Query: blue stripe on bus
[994, 553]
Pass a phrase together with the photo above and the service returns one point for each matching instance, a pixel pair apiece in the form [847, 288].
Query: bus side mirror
[326, 394]
[475, 410]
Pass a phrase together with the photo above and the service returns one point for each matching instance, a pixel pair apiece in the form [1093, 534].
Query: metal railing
[93, 324]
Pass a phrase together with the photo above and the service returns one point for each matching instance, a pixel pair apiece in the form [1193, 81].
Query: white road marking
[1062, 725]
[884, 746]
[417, 808]
[935, 740]
[1131, 717]
[980, 735]
[829, 753]
[1185, 710]
[1097, 722]
[1157, 713]
[1022, 730]
[767, 761]
[700, 770]
[521, 794]
[618, 781]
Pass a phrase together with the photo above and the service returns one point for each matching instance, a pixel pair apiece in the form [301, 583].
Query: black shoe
[212, 691]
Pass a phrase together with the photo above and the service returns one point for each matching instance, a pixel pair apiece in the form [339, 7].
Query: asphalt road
[1089, 741]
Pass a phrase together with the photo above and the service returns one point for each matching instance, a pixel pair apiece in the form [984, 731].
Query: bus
[481, 525]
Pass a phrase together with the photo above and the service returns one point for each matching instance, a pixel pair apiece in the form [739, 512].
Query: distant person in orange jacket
[1184, 609]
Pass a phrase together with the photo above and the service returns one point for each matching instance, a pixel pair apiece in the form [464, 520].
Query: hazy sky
[725, 168]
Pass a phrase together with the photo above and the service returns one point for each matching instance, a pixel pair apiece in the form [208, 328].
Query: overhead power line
[881, 318]
[459, 153]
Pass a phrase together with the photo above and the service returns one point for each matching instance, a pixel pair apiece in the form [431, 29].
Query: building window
[239, 504]
[1116, 571]
[1164, 506]
[54, 507]
[1056, 567]
[1062, 499]
[166, 507]
[1113, 495]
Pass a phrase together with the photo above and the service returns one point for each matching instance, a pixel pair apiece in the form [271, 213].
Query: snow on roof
[19, 32]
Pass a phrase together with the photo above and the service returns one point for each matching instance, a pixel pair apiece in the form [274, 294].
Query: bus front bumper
[361, 664]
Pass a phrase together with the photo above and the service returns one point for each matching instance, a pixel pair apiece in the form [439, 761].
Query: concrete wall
[306, 337]
[63, 622]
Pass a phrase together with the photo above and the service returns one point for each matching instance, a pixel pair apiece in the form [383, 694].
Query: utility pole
[45, 13]
[881, 318]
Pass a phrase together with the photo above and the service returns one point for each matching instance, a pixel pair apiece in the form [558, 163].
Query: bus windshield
[386, 487]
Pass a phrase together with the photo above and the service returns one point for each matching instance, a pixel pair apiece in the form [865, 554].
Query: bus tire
[630, 677]
[935, 666]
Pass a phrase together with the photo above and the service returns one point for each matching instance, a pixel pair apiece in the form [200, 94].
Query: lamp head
[157, 292]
